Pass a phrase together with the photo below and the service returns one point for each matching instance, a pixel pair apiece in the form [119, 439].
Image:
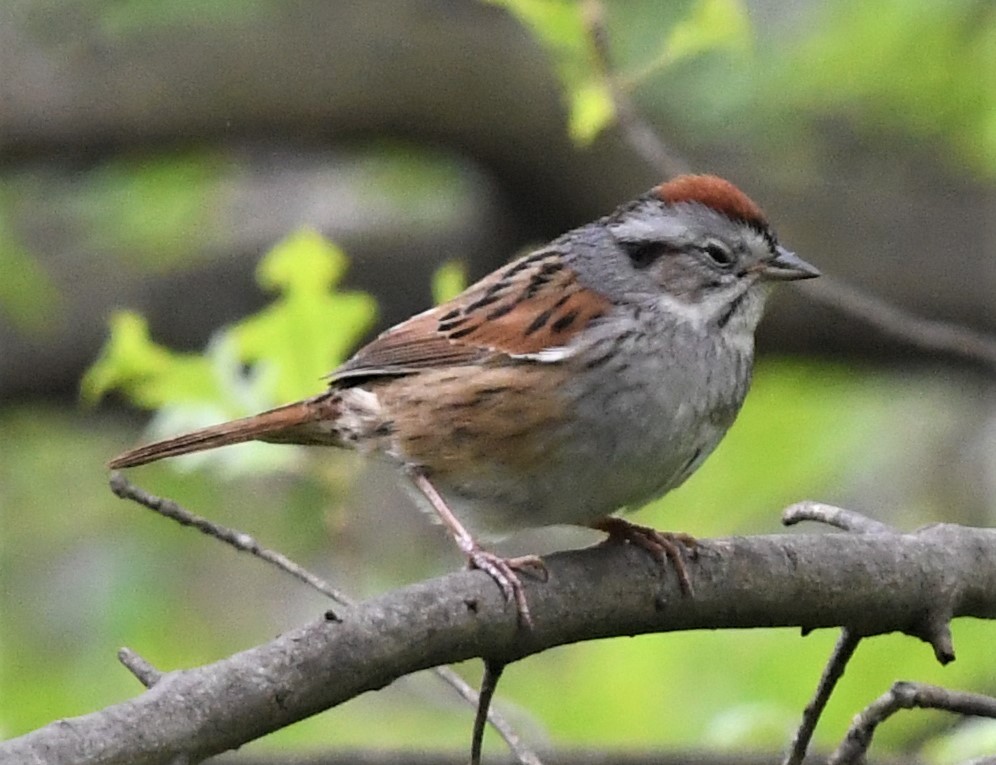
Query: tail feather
[285, 424]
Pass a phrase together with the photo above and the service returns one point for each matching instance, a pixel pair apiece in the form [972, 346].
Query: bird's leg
[663, 545]
[502, 570]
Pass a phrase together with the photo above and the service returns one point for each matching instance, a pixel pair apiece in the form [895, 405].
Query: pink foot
[503, 571]
[663, 545]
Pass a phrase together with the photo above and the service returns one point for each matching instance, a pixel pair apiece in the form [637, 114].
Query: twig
[147, 674]
[934, 627]
[243, 542]
[512, 740]
[927, 334]
[838, 517]
[639, 133]
[905, 695]
[489, 684]
[832, 672]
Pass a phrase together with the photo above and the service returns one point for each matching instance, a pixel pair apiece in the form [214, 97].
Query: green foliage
[710, 25]
[910, 67]
[566, 32]
[27, 295]
[122, 18]
[449, 281]
[156, 209]
[305, 333]
[311, 327]
[921, 67]
[149, 374]
[560, 27]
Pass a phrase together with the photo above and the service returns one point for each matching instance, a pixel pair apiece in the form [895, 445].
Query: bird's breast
[535, 444]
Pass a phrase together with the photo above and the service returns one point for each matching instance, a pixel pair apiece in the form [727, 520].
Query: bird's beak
[787, 266]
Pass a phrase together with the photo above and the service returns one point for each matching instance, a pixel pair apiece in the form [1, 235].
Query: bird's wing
[531, 309]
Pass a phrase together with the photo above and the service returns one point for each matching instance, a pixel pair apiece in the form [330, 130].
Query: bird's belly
[617, 446]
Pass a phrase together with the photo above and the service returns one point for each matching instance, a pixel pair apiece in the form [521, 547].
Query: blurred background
[151, 153]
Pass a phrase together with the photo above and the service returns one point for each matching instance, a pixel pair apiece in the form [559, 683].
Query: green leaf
[305, 333]
[149, 374]
[310, 328]
[592, 110]
[449, 281]
[559, 26]
[710, 25]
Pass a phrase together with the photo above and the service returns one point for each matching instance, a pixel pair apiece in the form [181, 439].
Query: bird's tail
[291, 423]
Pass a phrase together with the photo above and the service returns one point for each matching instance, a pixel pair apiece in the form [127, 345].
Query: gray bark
[872, 583]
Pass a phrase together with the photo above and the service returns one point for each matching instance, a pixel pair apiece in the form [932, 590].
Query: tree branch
[243, 542]
[904, 695]
[838, 517]
[240, 540]
[143, 671]
[643, 137]
[893, 321]
[870, 583]
[847, 643]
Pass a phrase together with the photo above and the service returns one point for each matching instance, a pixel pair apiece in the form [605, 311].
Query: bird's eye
[720, 255]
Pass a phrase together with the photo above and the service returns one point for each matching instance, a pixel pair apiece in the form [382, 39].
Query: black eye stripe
[644, 254]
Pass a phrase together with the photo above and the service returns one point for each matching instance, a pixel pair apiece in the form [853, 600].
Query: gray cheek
[602, 265]
[680, 277]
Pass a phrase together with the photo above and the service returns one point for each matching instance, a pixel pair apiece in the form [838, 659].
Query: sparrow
[584, 378]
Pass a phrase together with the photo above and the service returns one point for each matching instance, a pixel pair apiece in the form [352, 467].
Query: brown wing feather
[534, 303]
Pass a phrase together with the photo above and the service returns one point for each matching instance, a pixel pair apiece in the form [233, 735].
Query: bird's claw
[503, 571]
[663, 545]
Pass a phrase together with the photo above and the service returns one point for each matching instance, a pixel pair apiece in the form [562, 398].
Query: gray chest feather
[642, 417]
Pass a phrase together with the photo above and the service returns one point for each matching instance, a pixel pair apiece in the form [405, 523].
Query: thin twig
[832, 672]
[489, 684]
[935, 629]
[639, 133]
[512, 740]
[927, 334]
[243, 542]
[142, 669]
[905, 695]
[838, 517]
